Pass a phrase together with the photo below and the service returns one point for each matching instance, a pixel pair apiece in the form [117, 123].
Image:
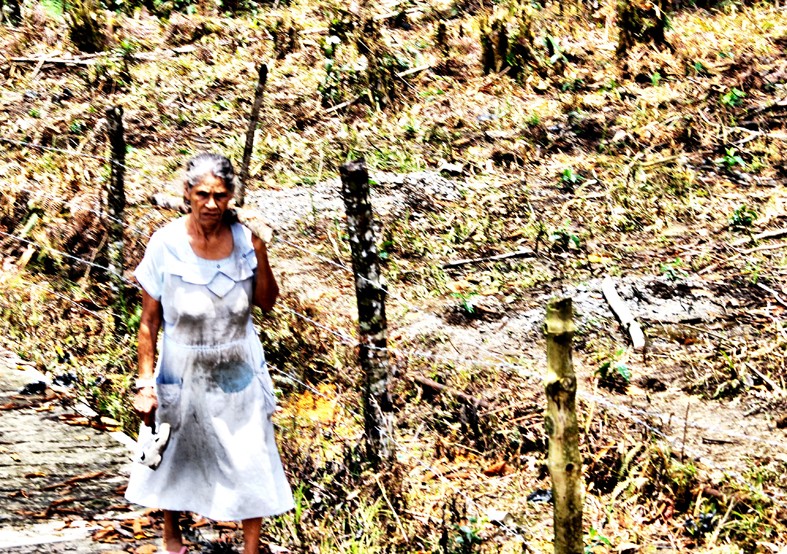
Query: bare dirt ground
[685, 318]
[58, 480]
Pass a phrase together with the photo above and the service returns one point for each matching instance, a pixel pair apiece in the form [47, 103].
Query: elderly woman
[200, 276]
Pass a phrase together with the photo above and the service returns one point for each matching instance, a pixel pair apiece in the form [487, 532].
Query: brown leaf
[136, 527]
[77, 479]
[202, 522]
[146, 549]
[496, 469]
[105, 535]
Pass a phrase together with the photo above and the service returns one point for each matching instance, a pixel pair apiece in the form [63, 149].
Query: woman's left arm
[265, 288]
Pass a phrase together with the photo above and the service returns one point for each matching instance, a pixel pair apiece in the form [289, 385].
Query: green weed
[569, 179]
[563, 238]
[594, 540]
[742, 218]
[673, 270]
[733, 98]
[731, 159]
[613, 373]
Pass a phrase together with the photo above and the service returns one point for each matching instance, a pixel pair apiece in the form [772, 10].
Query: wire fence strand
[634, 415]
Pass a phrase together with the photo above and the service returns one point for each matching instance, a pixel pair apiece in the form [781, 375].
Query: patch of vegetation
[742, 218]
[87, 25]
[507, 40]
[641, 22]
[614, 374]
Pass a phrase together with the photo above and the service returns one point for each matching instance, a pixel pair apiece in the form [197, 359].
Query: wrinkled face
[209, 199]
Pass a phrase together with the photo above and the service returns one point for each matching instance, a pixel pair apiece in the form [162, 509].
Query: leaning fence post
[565, 465]
[370, 295]
[15, 12]
[240, 196]
[116, 204]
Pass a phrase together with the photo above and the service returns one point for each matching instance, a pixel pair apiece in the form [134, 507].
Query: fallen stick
[765, 379]
[342, 105]
[623, 314]
[774, 234]
[439, 387]
[775, 294]
[517, 254]
[777, 246]
[414, 70]
[57, 61]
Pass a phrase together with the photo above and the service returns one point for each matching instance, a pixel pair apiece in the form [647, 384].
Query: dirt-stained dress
[213, 386]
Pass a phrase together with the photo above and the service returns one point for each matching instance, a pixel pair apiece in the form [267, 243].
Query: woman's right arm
[145, 401]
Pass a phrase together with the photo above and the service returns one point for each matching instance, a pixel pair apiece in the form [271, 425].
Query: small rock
[499, 516]
[65, 380]
[37, 387]
[540, 495]
[451, 169]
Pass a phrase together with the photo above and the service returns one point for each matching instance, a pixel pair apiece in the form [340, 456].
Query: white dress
[213, 386]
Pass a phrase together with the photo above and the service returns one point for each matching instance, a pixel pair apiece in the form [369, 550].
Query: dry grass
[646, 134]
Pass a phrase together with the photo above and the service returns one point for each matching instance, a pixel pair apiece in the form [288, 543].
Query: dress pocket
[267, 389]
[169, 408]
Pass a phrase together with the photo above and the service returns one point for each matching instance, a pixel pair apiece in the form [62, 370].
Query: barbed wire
[348, 339]
[665, 418]
[681, 444]
[56, 200]
[70, 256]
[27, 144]
[635, 415]
[341, 335]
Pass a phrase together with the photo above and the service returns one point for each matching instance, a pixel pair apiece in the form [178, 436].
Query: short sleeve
[149, 272]
[247, 248]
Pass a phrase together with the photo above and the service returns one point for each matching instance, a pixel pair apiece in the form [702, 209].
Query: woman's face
[209, 199]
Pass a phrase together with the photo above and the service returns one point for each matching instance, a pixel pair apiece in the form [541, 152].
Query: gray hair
[210, 164]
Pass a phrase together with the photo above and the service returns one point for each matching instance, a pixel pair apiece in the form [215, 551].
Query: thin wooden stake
[116, 204]
[15, 12]
[373, 353]
[565, 465]
[240, 196]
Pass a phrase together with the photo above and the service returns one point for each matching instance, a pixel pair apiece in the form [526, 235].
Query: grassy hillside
[652, 159]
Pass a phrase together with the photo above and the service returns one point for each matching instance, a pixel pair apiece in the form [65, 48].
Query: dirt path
[56, 479]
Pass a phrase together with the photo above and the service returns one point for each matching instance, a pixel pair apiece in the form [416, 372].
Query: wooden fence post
[240, 196]
[370, 295]
[565, 465]
[116, 204]
[14, 12]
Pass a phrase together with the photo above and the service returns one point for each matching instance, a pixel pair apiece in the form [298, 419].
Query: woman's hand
[145, 404]
[257, 243]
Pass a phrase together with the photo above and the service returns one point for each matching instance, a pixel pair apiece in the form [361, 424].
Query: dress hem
[214, 517]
